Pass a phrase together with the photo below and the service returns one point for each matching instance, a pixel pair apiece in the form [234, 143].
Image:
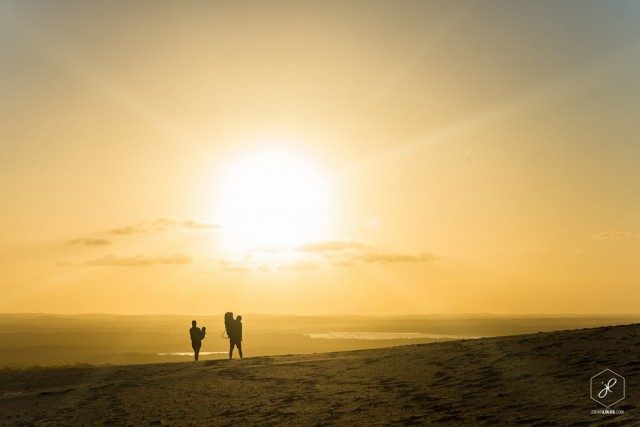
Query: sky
[320, 157]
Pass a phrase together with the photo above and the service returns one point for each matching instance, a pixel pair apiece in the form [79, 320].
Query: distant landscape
[28, 340]
[535, 379]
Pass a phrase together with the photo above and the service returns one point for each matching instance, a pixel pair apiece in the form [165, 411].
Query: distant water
[190, 353]
[383, 336]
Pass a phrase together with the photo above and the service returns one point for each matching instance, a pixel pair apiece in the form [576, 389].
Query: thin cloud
[232, 267]
[612, 235]
[163, 223]
[238, 267]
[390, 258]
[132, 261]
[129, 230]
[346, 253]
[199, 225]
[90, 242]
[331, 245]
[301, 265]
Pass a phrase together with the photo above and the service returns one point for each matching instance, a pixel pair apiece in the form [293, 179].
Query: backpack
[228, 324]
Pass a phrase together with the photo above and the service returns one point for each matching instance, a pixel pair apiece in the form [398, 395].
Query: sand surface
[529, 379]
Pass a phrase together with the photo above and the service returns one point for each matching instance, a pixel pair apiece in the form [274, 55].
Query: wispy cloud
[331, 245]
[162, 224]
[239, 267]
[89, 242]
[346, 253]
[132, 261]
[612, 235]
[301, 265]
[199, 225]
[335, 255]
[129, 230]
[392, 257]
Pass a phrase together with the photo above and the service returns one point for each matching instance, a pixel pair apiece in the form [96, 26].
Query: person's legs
[196, 349]
[231, 344]
[239, 345]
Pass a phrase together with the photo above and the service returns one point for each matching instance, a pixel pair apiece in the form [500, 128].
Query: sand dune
[528, 379]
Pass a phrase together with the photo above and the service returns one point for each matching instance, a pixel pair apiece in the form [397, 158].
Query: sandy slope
[528, 379]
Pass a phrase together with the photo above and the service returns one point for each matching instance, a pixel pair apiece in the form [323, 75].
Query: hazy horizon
[47, 339]
[320, 314]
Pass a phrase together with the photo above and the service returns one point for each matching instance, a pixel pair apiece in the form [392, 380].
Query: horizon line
[34, 313]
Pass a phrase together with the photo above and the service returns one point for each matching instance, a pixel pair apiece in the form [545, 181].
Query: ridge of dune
[530, 379]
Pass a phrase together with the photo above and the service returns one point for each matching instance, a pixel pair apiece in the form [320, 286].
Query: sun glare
[272, 198]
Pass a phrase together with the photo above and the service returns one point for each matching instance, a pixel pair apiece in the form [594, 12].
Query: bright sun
[272, 197]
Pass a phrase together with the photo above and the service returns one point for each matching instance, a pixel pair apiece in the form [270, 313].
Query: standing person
[235, 337]
[197, 335]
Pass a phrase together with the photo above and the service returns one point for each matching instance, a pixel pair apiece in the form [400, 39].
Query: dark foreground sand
[529, 379]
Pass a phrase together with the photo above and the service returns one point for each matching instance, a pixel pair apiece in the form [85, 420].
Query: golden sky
[319, 157]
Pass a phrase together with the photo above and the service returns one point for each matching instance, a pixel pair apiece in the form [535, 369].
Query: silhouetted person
[235, 337]
[197, 335]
